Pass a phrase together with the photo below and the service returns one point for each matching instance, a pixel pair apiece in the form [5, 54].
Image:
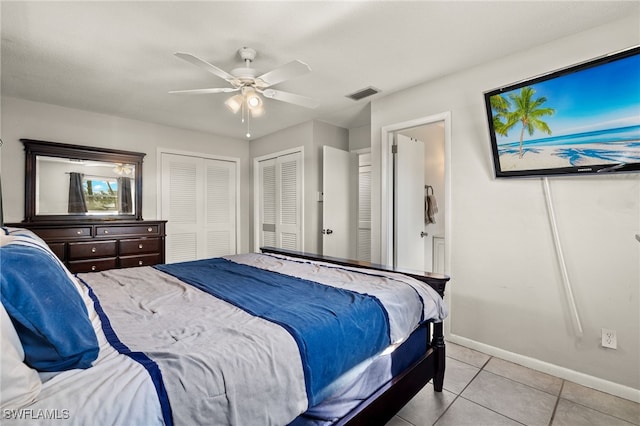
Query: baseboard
[596, 383]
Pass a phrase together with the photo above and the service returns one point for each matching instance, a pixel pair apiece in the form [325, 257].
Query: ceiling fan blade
[205, 91]
[206, 66]
[285, 72]
[291, 98]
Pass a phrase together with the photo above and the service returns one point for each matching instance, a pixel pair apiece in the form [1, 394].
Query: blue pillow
[46, 309]
[24, 233]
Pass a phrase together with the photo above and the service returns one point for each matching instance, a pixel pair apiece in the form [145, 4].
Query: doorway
[407, 181]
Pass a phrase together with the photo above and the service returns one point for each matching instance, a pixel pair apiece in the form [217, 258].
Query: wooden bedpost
[437, 342]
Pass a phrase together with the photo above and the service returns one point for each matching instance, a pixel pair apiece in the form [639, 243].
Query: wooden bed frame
[384, 403]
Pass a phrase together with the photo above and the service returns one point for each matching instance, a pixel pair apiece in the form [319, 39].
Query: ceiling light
[234, 103]
[254, 101]
[250, 102]
[257, 111]
[252, 97]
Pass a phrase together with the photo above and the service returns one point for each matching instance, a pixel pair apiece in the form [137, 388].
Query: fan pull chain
[248, 135]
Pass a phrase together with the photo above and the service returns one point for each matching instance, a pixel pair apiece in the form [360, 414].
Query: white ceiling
[117, 57]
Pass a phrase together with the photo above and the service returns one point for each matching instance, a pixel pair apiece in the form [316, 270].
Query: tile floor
[483, 390]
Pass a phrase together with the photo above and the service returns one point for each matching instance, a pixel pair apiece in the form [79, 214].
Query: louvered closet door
[181, 207]
[281, 201]
[199, 202]
[290, 185]
[220, 208]
[364, 209]
[268, 203]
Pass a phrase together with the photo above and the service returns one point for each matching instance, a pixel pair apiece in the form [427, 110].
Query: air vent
[364, 93]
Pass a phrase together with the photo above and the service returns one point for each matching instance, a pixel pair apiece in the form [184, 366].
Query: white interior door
[339, 202]
[280, 201]
[268, 202]
[220, 209]
[289, 184]
[198, 200]
[181, 206]
[409, 203]
[364, 208]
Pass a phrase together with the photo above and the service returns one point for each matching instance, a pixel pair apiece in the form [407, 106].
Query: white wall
[360, 138]
[33, 120]
[506, 289]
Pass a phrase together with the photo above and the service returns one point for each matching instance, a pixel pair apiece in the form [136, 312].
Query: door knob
[327, 231]
[423, 234]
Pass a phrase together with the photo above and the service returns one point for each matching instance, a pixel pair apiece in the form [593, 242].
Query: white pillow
[19, 384]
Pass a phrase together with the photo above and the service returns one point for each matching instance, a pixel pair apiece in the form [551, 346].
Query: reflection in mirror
[84, 187]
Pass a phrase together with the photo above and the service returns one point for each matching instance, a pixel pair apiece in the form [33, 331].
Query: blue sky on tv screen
[598, 98]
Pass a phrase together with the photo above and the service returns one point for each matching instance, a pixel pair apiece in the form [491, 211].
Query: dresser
[99, 245]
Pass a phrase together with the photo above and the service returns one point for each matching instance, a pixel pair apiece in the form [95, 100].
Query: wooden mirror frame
[34, 148]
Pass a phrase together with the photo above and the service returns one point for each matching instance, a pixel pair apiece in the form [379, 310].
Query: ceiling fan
[250, 86]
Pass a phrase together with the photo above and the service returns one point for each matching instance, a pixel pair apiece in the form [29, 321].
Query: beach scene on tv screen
[584, 118]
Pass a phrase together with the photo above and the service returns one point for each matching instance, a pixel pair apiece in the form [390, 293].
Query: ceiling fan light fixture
[251, 87]
[257, 111]
[234, 103]
[252, 98]
[254, 101]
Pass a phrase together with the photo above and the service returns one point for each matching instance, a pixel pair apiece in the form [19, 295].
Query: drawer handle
[79, 232]
[93, 267]
[150, 229]
[139, 262]
[106, 231]
[139, 246]
[93, 249]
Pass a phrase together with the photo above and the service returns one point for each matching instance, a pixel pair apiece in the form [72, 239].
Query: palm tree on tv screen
[500, 106]
[527, 112]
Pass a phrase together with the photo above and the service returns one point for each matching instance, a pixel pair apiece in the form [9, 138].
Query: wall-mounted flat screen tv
[579, 120]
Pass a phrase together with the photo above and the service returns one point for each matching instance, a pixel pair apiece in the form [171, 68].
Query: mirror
[73, 182]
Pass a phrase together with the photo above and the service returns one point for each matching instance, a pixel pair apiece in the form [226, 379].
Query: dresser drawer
[58, 250]
[91, 249]
[139, 246]
[92, 265]
[67, 233]
[142, 260]
[104, 231]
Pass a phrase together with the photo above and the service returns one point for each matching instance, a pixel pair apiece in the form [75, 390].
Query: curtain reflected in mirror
[77, 201]
[125, 200]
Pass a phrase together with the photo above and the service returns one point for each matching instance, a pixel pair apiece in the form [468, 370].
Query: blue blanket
[335, 329]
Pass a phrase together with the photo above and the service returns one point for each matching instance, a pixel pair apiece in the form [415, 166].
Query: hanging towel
[430, 209]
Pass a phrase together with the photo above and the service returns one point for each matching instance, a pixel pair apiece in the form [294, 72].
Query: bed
[270, 338]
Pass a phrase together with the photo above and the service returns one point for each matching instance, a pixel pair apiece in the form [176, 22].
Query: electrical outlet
[609, 339]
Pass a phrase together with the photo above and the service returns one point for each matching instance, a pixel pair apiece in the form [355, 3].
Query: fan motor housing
[244, 74]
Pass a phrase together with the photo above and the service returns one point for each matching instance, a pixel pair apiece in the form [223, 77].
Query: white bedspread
[115, 391]
[396, 292]
[220, 365]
